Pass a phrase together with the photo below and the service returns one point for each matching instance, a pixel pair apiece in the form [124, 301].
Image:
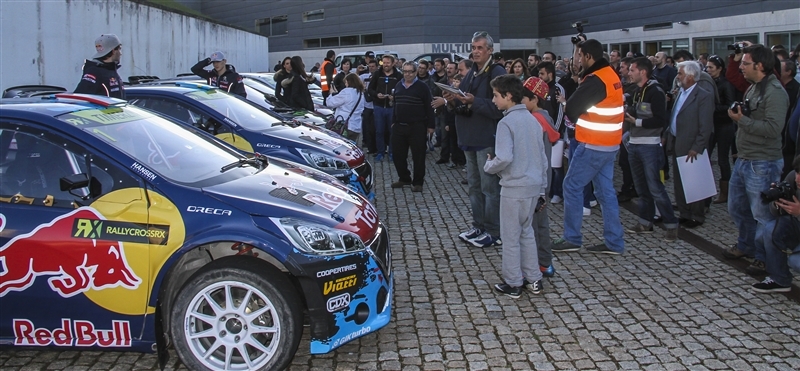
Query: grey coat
[694, 123]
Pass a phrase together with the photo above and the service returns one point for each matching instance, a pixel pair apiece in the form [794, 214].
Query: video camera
[737, 47]
[577, 38]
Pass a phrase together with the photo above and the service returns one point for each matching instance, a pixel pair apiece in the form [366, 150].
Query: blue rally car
[249, 128]
[120, 229]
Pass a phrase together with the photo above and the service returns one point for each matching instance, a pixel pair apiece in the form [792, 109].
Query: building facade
[519, 27]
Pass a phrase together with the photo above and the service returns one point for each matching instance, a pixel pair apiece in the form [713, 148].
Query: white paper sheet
[557, 154]
[697, 178]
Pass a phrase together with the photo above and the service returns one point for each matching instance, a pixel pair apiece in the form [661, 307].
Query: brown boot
[723, 192]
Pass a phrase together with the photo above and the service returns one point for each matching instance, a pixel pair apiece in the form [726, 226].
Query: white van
[357, 57]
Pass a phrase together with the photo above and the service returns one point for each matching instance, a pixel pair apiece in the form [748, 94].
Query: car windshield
[239, 111]
[169, 149]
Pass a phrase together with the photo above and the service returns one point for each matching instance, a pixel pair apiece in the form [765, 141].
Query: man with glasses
[760, 160]
[476, 123]
[100, 75]
[413, 121]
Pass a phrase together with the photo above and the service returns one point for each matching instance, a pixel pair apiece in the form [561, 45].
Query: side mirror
[73, 182]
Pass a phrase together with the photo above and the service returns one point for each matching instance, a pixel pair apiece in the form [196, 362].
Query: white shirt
[344, 103]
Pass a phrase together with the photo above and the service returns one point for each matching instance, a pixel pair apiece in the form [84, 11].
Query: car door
[71, 275]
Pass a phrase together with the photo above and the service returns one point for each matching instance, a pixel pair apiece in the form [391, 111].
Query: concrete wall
[46, 41]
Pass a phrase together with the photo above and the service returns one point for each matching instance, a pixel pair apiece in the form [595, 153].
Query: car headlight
[324, 162]
[318, 239]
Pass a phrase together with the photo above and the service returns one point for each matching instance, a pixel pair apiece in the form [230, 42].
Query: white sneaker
[587, 211]
[556, 200]
[592, 203]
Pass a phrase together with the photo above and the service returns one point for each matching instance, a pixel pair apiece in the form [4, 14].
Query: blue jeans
[588, 192]
[646, 161]
[484, 192]
[596, 167]
[782, 235]
[748, 180]
[383, 123]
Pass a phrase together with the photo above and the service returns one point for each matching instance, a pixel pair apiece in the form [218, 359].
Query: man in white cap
[100, 75]
[222, 76]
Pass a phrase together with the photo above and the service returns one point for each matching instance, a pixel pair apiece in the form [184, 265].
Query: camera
[745, 107]
[579, 27]
[737, 47]
[782, 190]
[463, 110]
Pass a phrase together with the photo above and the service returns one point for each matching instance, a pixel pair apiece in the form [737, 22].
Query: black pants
[450, 149]
[413, 136]
[368, 129]
[694, 210]
[627, 176]
[722, 138]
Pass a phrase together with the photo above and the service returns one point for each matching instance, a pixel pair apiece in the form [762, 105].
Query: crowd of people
[509, 124]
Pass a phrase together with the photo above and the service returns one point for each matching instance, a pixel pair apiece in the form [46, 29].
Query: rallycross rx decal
[120, 231]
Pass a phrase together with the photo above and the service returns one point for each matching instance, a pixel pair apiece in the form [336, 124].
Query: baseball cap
[370, 54]
[498, 55]
[105, 44]
[537, 86]
[217, 56]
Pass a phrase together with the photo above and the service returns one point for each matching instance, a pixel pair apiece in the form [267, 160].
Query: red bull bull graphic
[78, 333]
[73, 250]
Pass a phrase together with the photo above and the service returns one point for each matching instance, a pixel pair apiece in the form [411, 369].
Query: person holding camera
[760, 120]
[597, 110]
[476, 123]
[782, 235]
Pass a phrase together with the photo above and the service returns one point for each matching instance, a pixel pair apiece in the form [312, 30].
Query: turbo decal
[77, 333]
[339, 284]
[75, 265]
[120, 231]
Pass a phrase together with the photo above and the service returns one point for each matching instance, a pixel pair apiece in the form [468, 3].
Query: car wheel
[229, 317]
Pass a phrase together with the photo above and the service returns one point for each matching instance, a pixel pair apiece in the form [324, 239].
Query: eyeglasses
[746, 63]
[409, 71]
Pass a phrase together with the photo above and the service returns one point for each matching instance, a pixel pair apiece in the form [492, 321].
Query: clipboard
[450, 89]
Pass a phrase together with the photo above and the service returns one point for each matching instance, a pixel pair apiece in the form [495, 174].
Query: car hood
[320, 139]
[279, 191]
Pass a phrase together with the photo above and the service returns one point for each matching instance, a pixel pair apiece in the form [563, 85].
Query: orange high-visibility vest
[324, 79]
[601, 124]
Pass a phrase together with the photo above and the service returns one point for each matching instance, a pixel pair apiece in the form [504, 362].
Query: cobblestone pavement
[660, 306]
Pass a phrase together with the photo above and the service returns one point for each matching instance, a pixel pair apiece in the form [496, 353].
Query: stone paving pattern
[660, 306]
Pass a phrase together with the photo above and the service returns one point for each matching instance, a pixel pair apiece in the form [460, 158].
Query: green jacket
[759, 136]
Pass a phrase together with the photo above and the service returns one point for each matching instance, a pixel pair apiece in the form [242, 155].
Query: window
[719, 45]
[787, 39]
[314, 15]
[349, 40]
[275, 26]
[657, 26]
[666, 46]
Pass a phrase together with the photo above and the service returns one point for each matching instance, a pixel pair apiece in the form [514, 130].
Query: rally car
[249, 128]
[122, 230]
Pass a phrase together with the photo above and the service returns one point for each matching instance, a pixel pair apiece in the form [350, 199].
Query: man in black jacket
[100, 75]
[647, 117]
[381, 89]
[222, 76]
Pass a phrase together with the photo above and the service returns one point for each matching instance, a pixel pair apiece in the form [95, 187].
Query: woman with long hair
[724, 129]
[299, 96]
[349, 103]
[519, 69]
[283, 80]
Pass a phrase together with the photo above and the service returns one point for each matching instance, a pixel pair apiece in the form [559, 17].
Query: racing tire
[236, 314]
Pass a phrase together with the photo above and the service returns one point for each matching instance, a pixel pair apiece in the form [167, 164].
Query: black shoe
[768, 286]
[510, 291]
[464, 181]
[442, 161]
[757, 268]
[692, 224]
[602, 249]
[657, 218]
[683, 220]
[562, 245]
[733, 252]
[534, 287]
[400, 184]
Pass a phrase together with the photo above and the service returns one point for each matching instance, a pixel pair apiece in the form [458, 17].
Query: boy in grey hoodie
[521, 163]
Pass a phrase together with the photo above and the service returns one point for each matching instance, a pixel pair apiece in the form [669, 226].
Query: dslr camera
[577, 38]
[745, 107]
[463, 110]
[737, 47]
[782, 190]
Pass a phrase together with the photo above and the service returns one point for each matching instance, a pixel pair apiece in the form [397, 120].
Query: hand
[430, 131]
[437, 102]
[561, 99]
[629, 119]
[543, 200]
[381, 95]
[488, 156]
[447, 128]
[790, 207]
[448, 95]
[735, 115]
[692, 155]
[466, 99]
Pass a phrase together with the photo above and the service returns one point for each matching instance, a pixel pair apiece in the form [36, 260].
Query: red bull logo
[75, 263]
[72, 333]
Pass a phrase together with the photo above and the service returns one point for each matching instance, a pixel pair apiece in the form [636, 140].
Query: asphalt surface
[660, 306]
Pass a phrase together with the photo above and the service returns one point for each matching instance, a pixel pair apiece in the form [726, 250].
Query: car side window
[177, 110]
[34, 166]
